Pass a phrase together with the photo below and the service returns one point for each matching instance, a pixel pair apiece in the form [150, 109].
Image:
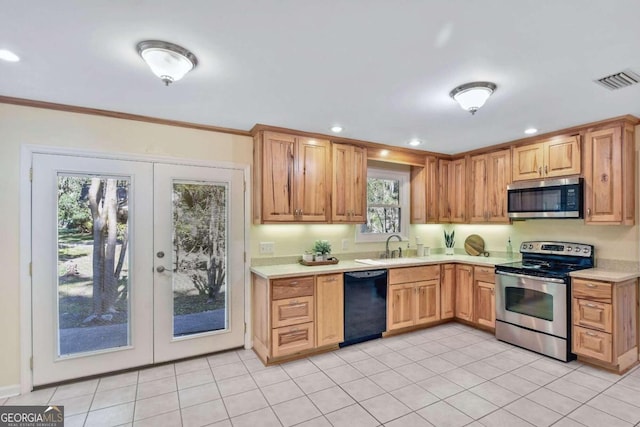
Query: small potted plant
[322, 249]
[449, 241]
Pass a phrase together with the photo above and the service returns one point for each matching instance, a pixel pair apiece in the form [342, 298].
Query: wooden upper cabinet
[557, 156]
[349, 189]
[609, 174]
[424, 192]
[490, 175]
[291, 178]
[452, 190]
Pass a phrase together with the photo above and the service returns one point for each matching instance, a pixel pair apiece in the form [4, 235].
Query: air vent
[619, 80]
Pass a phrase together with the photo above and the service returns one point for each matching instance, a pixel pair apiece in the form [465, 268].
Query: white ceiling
[382, 69]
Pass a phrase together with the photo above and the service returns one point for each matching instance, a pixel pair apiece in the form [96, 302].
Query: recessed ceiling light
[414, 142]
[336, 129]
[9, 56]
[531, 131]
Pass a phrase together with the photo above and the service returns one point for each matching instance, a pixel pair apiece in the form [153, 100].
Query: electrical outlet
[267, 248]
[345, 244]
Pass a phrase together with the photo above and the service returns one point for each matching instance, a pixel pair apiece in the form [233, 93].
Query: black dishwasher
[365, 305]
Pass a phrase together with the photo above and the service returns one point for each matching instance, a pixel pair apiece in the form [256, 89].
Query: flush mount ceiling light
[530, 131]
[336, 129]
[414, 142]
[472, 96]
[168, 61]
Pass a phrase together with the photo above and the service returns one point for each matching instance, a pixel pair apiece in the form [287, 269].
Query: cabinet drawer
[292, 339]
[591, 290]
[590, 343]
[292, 287]
[591, 314]
[484, 274]
[287, 312]
[413, 274]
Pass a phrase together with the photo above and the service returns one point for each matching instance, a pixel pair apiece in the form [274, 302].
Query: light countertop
[290, 270]
[605, 275]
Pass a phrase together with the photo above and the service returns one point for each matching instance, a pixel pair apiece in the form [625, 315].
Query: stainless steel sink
[388, 261]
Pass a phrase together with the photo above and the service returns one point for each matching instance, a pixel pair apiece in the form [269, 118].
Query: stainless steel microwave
[552, 198]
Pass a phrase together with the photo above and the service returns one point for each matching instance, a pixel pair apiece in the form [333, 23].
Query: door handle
[160, 269]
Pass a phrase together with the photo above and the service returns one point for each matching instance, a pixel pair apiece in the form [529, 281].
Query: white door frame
[26, 158]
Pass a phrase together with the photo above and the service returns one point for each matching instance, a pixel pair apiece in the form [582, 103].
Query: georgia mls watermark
[32, 416]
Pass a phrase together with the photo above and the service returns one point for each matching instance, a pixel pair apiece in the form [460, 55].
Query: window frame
[404, 205]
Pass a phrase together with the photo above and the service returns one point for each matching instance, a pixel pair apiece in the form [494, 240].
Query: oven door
[535, 303]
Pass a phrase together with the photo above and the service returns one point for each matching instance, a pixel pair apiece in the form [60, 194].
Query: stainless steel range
[533, 296]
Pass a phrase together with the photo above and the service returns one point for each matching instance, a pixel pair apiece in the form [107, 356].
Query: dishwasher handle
[367, 274]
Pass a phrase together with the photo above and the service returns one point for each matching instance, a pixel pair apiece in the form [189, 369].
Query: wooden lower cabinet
[292, 339]
[484, 303]
[447, 291]
[605, 324]
[329, 309]
[413, 296]
[464, 292]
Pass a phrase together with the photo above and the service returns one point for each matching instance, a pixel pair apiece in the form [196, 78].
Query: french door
[133, 263]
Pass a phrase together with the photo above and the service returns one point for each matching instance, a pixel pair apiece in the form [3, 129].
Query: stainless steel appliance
[533, 296]
[365, 305]
[555, 198]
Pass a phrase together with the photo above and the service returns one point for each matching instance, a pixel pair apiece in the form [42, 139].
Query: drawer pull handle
[591, 334]
[293, 302]
[592, 306]
[333, 279]
[293, 283]
[591, 285]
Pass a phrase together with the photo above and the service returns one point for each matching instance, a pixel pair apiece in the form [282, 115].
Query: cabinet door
[485, 304]
[329, 309]
[427, 301]
[400, 306]
[313, 180]
[457, 191]
[527, 162]
[603, 176]
[464, 292]
[349, 197]
[562, 156]
[358, 200]
[498, 177]
[418, 197]
[444, 208]
[478, 192]
[591, 343]
[447, 291]
[278, 154]
[431, 184]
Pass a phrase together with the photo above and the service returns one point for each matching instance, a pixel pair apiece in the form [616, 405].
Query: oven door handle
[526, 276]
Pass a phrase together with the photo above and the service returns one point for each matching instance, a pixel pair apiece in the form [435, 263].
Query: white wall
[25, 125]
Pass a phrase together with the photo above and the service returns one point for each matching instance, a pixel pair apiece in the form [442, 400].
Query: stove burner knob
[569, 249]
[585, 250]
[530, 246]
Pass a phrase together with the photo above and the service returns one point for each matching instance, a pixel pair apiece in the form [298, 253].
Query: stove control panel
[557, 248]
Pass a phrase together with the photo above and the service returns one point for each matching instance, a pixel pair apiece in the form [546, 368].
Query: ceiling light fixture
[414, 142]
[168, 61]
[531, 131]
[472, 96]
[336, 129]
[8, 56]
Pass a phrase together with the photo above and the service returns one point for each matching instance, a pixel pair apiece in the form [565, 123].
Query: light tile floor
[448, 375]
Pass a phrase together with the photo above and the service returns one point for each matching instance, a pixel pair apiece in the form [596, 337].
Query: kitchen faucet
[386, 252]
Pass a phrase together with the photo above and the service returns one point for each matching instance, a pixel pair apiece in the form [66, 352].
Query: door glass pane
[93, 263]
[529, 302]
[199, 257]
